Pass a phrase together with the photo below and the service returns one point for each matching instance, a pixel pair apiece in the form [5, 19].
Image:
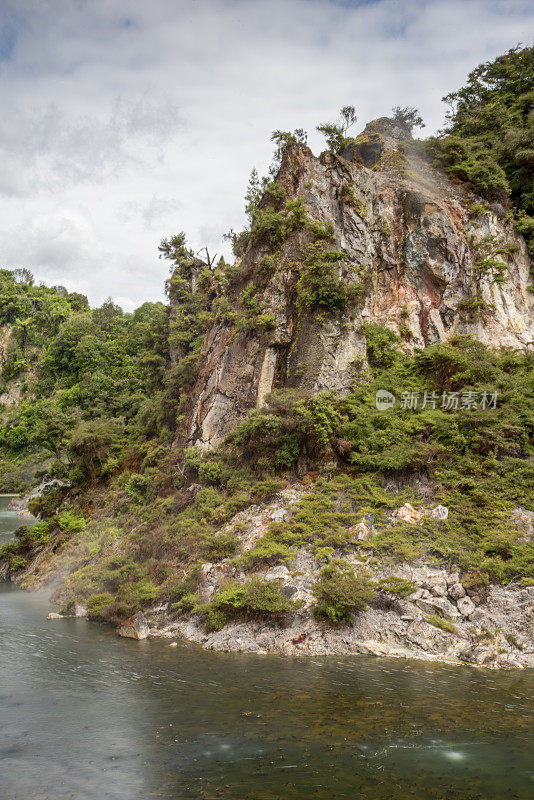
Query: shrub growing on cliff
[283, 141]
[18, 562]
[253, 598]
[71, 522]
[320, 286]
[408, 118]
[439, 622]
[98, 603]
[341, 592]
[267, 552]
[335, 133]
[397, 585]
[382, 346]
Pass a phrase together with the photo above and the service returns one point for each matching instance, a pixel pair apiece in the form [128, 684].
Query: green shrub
[439, 622]
[475, 579]
[324, 554]
[97, 603]
[186, 603]
[266, 552]
[216, 619]
[140, 488]
[321, 416]
[253, 598]
[40, 531]
[71, 522]
[397, 585]
[18, 562]
[186, 586]
[145, 590]
[487, 140]
[7, 548]
[341, 592]
[320, 285]
[381, 344]
[221, 545]
[210, 471]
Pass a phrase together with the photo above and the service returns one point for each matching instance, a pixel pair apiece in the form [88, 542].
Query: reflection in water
[85, 714]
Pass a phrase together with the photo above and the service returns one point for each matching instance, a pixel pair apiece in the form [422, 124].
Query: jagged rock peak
[380, 136]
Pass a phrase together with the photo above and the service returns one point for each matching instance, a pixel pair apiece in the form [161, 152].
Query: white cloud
[130, 121]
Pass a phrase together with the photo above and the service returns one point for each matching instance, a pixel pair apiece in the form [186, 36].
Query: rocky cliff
[322, 524]
[416, 252]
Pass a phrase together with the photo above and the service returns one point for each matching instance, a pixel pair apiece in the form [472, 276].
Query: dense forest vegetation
[489, 136]
[101, 400]
[89, 379]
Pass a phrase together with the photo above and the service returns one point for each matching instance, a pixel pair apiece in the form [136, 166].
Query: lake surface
[10, 520]
[86, 715]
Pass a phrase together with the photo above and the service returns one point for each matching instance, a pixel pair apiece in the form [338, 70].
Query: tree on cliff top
[489, 136]
[335, 133]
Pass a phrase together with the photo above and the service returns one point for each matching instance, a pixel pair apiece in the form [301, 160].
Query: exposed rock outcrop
[135, 628]
[497, 634]
[429, 259]
[438, 621]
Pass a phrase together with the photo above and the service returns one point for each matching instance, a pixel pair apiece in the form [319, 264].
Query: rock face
[423, 251]
[136, 627]
[11, 397]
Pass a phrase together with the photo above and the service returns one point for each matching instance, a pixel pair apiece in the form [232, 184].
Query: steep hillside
[325, 446]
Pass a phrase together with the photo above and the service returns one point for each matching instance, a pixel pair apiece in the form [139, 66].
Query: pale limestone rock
[525, 521]
[466, 606]
[436, 584]
[360, 531]
[135, 628]
[439, 512]
[266, 380]
[53, 615]
[456, 591]
[433, 605]
[478, 654]
[277, 573]
[407, 513]
[417, 595]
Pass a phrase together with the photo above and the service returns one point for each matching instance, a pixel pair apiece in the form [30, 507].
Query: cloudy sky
[124, 121]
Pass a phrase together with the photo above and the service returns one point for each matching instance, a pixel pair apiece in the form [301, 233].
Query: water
[85, 714]
[10, 520]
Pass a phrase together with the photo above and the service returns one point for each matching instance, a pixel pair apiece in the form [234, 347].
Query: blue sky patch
[8, 38]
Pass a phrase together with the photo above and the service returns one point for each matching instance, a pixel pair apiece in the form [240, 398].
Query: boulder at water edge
[136, 627]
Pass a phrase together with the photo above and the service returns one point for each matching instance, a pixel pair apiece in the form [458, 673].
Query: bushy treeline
[489, 136]
[90, 380]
